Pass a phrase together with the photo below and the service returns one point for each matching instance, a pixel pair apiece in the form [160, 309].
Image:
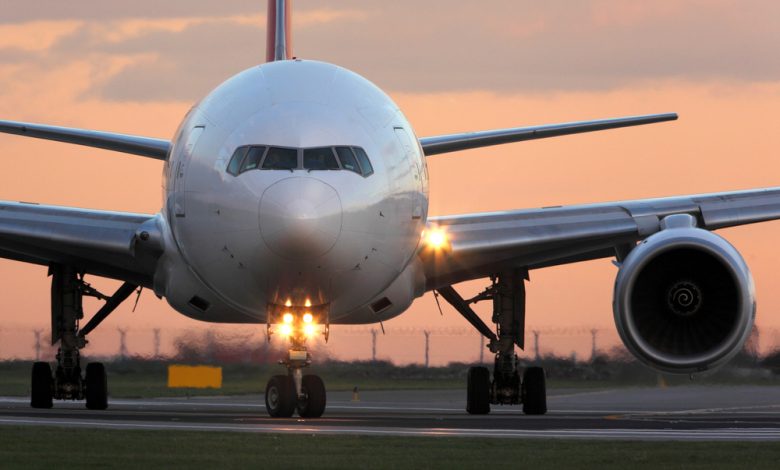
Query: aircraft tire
[534, 391]
[96, 386]
[42, 388]
[314, 404]
[280, 396]
[478, 391]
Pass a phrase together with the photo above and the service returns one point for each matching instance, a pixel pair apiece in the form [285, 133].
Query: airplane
[296, 196]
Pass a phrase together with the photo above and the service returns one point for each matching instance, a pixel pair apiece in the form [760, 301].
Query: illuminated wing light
[436, 238]
[286, 329]
[309, 329]
[287, 318]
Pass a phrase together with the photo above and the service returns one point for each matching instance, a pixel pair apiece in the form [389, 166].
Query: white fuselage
[340, 240]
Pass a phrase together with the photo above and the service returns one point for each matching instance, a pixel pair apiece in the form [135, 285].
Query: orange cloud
[35, 35]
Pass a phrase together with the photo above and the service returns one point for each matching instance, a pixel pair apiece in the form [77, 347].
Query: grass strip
[50, 447]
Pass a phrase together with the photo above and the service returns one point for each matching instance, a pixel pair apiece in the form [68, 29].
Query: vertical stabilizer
[278, 44]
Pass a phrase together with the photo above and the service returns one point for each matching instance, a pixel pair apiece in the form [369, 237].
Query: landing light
[436, 238]
[307, 318]
[286, 329]
[287, 318]
[309, 329]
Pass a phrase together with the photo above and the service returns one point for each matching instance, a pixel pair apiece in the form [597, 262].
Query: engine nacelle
[684, 299]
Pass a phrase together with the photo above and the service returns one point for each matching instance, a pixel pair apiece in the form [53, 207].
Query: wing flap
[132, 144]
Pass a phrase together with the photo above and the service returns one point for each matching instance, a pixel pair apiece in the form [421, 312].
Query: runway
[688, 413]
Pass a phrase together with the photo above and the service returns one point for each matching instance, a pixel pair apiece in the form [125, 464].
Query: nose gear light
[286, 329]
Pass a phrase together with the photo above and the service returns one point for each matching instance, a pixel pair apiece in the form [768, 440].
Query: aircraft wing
[118, 245]
[485, 243]
[133, 144]
[469, 140]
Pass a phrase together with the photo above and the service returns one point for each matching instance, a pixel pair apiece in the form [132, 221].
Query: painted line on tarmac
[581, 394]
[729, 409]
[509, 410]
[727, 434]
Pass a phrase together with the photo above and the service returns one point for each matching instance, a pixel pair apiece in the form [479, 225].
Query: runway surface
[689, 413]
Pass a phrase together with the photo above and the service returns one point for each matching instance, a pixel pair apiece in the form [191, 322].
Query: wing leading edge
[485, 243]
[469, 140]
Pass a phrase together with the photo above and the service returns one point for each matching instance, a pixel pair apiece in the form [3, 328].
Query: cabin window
[321, 158]
[281, 159]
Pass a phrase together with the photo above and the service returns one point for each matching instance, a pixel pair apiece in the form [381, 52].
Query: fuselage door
[411, 158]
[181, 169]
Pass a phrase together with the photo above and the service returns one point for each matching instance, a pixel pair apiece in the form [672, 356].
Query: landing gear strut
[286, 394]
[507, 293]
[67, 383]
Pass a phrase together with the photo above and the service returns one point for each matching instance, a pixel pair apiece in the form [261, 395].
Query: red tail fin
[278, 44]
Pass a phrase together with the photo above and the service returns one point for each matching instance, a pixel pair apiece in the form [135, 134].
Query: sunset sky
[137, 67]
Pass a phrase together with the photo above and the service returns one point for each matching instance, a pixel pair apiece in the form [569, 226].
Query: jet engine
[684, 299]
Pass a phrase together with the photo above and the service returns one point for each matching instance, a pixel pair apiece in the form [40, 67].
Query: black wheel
[96, 384]
[42, 388]
[534, 391]
[478, 391]
[280, 396]
[313, 403]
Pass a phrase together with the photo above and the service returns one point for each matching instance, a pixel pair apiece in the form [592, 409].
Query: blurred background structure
[398, 345]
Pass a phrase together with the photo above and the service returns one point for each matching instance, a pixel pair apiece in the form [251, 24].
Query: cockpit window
[236, 159]
[347, 159]
[321, 158]
[365, 163]
[281, 159]
[252, 159]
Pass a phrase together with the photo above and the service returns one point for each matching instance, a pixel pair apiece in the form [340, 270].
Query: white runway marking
[331, 406]
[754, 434]
[345, 405]
[745, 413]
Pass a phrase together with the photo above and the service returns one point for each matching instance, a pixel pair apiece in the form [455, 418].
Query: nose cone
[300, 217]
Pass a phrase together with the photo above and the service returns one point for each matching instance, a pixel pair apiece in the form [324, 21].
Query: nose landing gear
[286, 394]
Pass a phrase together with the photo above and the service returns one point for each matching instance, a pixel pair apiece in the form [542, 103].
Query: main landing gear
[67, 382]
[286, 394]
[507, 292]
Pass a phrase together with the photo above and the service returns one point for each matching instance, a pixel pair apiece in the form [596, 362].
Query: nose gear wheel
[286, 394]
